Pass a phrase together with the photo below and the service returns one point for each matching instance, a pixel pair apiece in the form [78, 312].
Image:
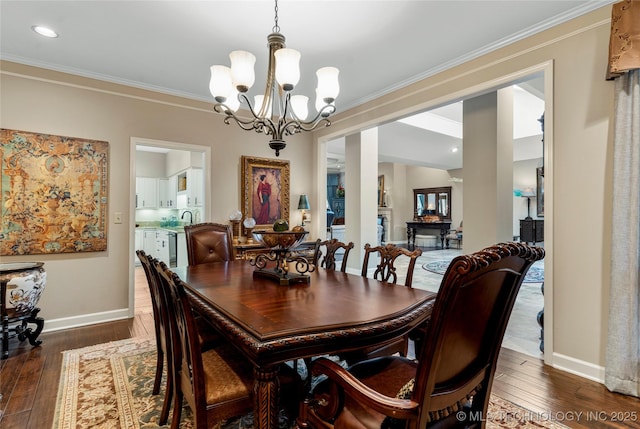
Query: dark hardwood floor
[29, 381]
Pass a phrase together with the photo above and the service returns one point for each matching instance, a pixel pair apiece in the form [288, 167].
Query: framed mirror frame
[439, 198]
[540, 191]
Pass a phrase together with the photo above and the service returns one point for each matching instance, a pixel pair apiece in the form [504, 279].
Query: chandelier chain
[276, 27]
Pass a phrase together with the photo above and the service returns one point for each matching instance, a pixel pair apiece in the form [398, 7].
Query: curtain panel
[622, 368]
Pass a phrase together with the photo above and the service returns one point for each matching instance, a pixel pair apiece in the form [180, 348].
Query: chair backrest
[160, 314]
[209, 242]
[386, 269]
[327, 258]
[188, 371]
[464, 335]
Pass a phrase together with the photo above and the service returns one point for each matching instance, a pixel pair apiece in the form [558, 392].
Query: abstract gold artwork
[54, 194]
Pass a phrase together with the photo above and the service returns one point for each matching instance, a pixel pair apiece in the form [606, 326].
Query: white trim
[578, 367]
[85, 319]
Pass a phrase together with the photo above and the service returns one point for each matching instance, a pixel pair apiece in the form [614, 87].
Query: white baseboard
[84, 320]
[578, 367]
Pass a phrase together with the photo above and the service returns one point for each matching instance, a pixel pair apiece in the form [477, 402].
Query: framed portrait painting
[265, 190]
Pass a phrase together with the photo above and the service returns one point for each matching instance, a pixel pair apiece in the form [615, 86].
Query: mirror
[432, 202]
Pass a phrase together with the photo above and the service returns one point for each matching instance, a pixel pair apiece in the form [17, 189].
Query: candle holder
[235, 230]
[249, 235]
[289, 267]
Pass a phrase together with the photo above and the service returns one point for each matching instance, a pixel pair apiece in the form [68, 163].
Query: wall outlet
[117, 217]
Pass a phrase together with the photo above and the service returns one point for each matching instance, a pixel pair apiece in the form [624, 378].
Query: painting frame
[53, 194]
[277, 176]
[381, 191]
[540, 191]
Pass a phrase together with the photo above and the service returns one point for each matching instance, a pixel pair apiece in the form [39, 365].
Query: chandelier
[276, 113]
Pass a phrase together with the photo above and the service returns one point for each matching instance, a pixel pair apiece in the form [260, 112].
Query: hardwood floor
[29, 381]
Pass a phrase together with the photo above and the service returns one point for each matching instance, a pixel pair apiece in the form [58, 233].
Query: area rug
[534, 275]
[109, 386]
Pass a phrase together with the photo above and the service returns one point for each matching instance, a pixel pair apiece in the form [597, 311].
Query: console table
[21, 285]
[531, 230]
[413, 228]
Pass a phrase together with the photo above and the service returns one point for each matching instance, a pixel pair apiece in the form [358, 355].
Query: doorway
[161, 204]
[543, 73]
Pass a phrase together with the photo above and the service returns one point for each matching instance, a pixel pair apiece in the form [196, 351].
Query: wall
[92, 287]
[578, 142]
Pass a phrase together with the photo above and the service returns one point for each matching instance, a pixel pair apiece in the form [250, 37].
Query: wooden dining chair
[325, 252]
[386, 271]
[450, 383]
[207, 336]
[209, 242]
[218, 383]
[163, 338]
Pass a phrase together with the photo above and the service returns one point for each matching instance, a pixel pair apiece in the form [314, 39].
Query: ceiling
[379, 46]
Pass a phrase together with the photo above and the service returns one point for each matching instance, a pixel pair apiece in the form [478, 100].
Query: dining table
[270, 324]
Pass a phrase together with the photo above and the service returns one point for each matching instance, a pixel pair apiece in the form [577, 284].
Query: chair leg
[177, 411]
[158, 379]
[168, 396]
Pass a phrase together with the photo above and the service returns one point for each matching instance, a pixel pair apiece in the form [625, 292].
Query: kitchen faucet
[190, 216]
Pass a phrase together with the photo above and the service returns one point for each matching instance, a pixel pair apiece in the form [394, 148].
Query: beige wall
[578, 157]
[92, 287]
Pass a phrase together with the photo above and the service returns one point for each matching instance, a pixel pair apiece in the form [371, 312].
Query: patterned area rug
[534, 275]
[109, 386]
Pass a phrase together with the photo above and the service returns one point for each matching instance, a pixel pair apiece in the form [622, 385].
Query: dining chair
[386, 271]
[163, 339]
[218, 383]
[450, 382]
[325, 252]
[209, 242]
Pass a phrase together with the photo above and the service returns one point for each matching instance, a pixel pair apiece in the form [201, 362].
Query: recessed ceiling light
[44, 31]
[454, 149]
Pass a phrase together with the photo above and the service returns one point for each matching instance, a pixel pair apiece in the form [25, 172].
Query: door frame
[206, 208]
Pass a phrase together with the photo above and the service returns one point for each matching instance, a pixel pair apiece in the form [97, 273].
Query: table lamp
[528, 193]
[303, 204]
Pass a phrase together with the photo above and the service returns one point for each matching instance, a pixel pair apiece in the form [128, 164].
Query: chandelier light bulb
[242, 73]
[300, 106]
[220, 84]
[328, 85]
[287, 68]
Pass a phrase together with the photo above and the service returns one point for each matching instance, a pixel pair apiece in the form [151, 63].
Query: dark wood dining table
[271, 324]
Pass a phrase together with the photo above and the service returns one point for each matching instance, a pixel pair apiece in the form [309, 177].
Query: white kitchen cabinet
[149, 242]
[146, 192]
[190, 188]
[197, 192]
[167, 192]
[162, 246]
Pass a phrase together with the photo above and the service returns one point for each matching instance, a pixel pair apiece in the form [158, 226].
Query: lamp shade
[242, 73]
[220, 85]
[303, 203]
[300, 106]
[328, 85]
[287, 68]
[528, 192]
